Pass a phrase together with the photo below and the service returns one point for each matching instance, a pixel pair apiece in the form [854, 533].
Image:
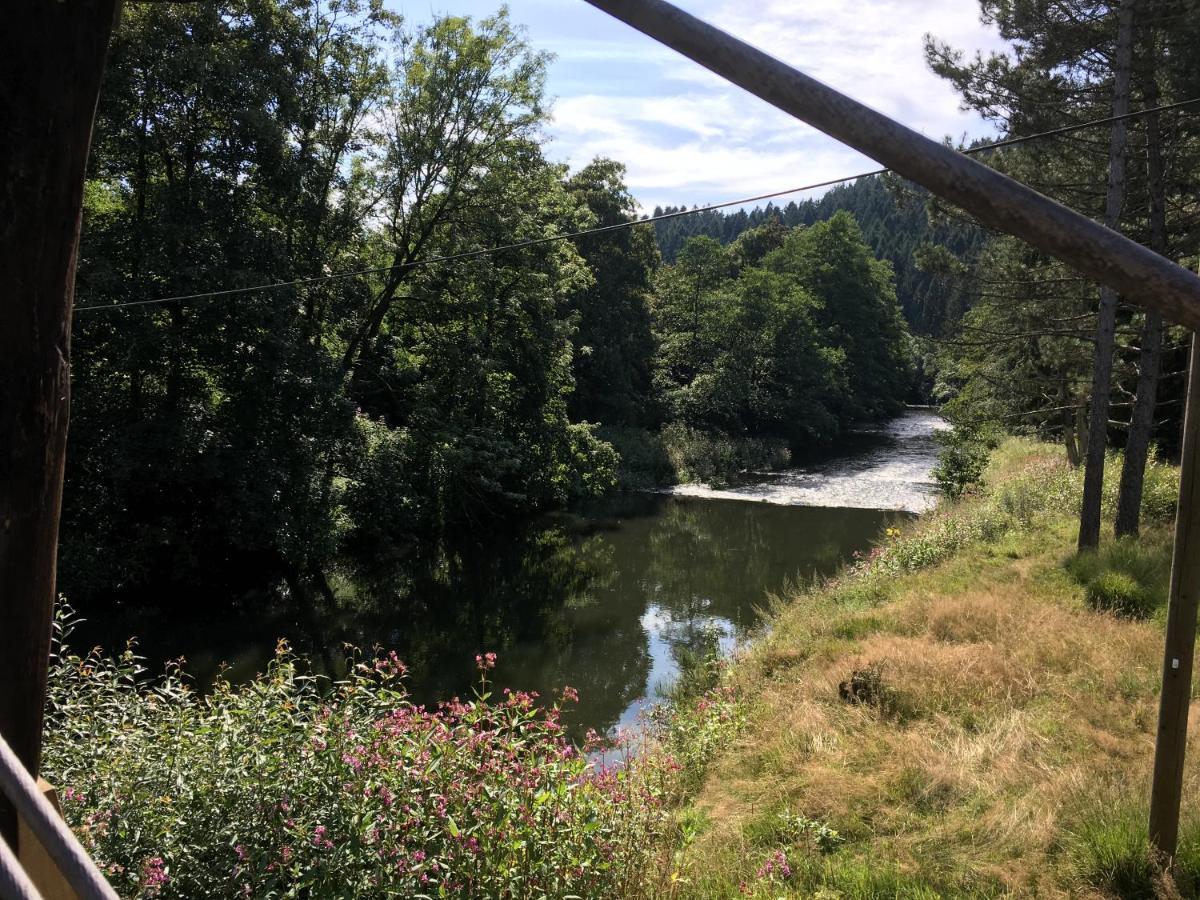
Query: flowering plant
[293, 786]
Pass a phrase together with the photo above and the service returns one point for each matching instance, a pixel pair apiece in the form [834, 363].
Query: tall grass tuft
[1107, 848]
[1127, 577]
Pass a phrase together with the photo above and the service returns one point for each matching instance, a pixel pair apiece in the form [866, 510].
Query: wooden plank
[1180, 647]
[35, 858]
[50, 74]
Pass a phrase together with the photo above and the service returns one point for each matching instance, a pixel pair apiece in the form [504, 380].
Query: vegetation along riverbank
[912, 727]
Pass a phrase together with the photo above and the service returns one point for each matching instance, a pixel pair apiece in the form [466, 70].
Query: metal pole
[14, 883]
[1180, 646]
[44, 822]
[1136, 272]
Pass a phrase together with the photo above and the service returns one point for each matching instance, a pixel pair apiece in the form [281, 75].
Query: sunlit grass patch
[1127, 577]
[1007, 694]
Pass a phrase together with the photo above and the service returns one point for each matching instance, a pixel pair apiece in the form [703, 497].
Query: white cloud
[688, 136]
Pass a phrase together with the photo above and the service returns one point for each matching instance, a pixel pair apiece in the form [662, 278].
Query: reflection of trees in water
[713, 560]
[563, 600]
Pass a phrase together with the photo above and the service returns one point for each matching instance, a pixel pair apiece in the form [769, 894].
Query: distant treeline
[895, 222]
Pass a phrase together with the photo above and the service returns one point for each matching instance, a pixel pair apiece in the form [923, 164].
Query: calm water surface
[606, 599]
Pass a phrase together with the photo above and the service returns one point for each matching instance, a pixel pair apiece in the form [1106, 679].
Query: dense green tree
[789, 334]
[896, 221]
[614, 342]
[270, 140]
[858, 311]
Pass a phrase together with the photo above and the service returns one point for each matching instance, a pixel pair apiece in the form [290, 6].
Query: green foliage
[235, 439]
[961, 462]
[786, 335]
[789, 828]
[1126, 576]
[898, 225]
[1160, 490]
[644, 458]
[712, 458]
[290, 786]
[614, 342]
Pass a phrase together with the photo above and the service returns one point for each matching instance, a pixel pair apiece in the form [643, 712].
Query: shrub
[644, 461]
[1128, 577]
[713, 457]
[1119, 593]
[962, 460]
[293, 786]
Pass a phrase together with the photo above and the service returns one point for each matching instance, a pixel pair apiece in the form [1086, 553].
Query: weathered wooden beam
[1137, 273]
[1179, 651]
[50, 74]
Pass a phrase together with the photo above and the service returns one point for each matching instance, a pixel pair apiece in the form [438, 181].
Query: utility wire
[619, 226]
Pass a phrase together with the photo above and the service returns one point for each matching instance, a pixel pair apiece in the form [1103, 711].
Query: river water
[607, 599]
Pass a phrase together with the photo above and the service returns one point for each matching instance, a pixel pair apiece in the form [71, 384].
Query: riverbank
[970, 711]
[967, 710]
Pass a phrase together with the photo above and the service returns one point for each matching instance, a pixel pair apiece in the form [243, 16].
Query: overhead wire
[619, 226]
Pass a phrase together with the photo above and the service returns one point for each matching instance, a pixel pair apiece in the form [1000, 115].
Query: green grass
[1127, 577]
[1016, 672]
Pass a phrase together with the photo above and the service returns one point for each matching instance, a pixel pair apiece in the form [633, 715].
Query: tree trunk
[1093, 477]
[1068, 428]
[1141, 422]
[50, 75]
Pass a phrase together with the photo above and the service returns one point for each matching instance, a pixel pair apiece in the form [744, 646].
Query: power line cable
[619, 226]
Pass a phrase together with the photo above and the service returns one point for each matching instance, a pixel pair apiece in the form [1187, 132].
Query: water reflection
[604, 599]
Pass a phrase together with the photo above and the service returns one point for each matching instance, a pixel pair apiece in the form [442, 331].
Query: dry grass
[1010, 756]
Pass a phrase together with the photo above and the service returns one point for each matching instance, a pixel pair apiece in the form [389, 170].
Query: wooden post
[50, 74]
[1181, 632]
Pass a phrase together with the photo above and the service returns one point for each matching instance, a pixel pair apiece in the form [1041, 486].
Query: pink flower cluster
[776, 866]
[154, 875]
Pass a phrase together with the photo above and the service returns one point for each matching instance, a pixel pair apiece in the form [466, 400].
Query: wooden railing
[70, 866]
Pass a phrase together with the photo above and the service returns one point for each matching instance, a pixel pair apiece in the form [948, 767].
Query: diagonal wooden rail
[1136, 272]
[50, 830]
[1110, 258]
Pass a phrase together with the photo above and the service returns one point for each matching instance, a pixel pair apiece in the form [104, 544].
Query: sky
[689, 138]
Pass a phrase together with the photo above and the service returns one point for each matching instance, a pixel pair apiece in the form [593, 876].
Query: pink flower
[485, 661]
[319, 838]
[569, 693]
[776, 864]
[154, 875]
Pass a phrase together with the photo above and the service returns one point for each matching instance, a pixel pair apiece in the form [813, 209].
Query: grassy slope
[1008, 744]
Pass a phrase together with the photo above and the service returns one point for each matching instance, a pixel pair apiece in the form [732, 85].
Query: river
[606, 599]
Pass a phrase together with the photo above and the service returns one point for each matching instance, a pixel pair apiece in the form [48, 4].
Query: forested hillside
[1042, 351]
[896, 222]
[385, 396]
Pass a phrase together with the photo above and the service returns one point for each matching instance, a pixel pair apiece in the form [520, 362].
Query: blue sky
[686, 136]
